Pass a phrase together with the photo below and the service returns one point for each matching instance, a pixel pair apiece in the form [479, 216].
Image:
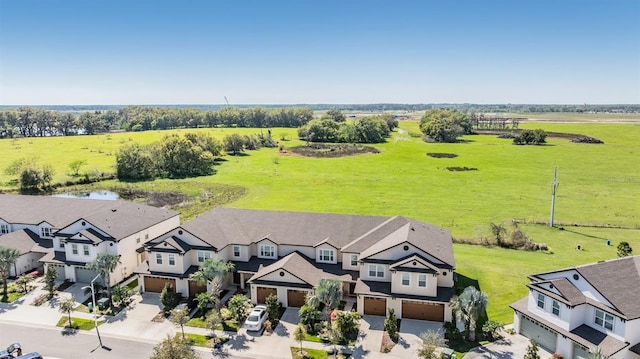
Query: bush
[391, 324]
[491, 328]
[451, 331]
[169, 298]
[442, 125]
[309, 317]
[239, 305]
[225, 313]
[530, 137]
[273, 307]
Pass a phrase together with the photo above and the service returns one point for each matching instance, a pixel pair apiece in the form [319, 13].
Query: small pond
[90, 195]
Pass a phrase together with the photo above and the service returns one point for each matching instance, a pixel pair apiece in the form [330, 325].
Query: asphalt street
[54, 343]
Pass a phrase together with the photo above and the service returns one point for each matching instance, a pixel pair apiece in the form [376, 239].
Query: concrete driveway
[136, 321]
[409, 342]
[511, 346]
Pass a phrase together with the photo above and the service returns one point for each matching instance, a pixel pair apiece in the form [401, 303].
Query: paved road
[55, 343]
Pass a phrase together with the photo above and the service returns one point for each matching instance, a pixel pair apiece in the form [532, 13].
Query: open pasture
[598, 186]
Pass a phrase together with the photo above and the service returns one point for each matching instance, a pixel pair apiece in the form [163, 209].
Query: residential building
[576, 310]
[386, 262]
[66, 233]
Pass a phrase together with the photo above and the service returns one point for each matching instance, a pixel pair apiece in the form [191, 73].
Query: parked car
[255, 320]
[12, 351]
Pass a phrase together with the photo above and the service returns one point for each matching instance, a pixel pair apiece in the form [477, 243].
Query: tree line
[333, 128]
[39, 122]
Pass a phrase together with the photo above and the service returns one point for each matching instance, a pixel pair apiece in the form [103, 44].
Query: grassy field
[579, 117]
[598, 186]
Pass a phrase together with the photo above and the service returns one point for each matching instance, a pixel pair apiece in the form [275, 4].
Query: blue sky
[347, 51]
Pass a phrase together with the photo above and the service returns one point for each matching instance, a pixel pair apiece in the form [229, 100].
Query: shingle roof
[22, 240]
[119, 218]
[383, 289]
[618, 280]
[299, 266]
[571, 295]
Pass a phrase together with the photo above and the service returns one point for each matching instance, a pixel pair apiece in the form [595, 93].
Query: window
[406, 279]
[138, 240]
[422, 280]
[85, 249]
[604, 320]
[61, 244]
[146, 236]
[376, 271]
[354, 260]
[45, 231]
[555, 308]
[326, 255]
[236, 251]
[158, 258]
[74, 248]
[267, 251]
[540, 301]
[172, 259]
[203, 255]
[4, 229]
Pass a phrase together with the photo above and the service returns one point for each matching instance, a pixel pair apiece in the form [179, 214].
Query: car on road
[255, 320]
[14, 350]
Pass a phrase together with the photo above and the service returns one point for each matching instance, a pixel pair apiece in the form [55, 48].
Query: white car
[255, 320]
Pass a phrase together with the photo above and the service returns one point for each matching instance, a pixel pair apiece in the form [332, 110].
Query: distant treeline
[376, 107]
[39, 122]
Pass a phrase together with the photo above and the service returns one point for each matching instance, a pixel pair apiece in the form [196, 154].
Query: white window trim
[45, 232]
[4, 228]
[159, 259]
[171, 257]
[233, 251]
[204, 255]
[422, 275]
[555, 305]
[322, 253]
[604, 320]
[271, 252]
[74, 249]
[354, 259]
[539, 299]
[402, 278]
[85, 249]
[375, 267]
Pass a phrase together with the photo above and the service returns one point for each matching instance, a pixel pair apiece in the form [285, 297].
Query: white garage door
[543, 336]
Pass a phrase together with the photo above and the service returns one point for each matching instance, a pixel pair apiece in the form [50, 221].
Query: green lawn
[316, 339]
[227, 325]
[78, 323]
[313, 354]
[12, 296]
[201, 340]
[598, 186]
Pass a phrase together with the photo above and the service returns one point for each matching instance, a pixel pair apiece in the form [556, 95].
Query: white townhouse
[576, 310]
[67, 233]
[386, 262]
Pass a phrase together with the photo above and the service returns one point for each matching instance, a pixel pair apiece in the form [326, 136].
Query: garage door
[156, 284]
[296, 298]
[543, 336]
[263, 293]
[84, 275]
[422, 311]
[195, 288]
[375, 306]
[59, 268]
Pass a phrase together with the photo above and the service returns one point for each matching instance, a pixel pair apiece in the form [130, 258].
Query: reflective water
[90, 195]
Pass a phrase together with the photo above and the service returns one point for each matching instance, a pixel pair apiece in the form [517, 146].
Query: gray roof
[119, 218]
[350, 233]
[24, 241]
[383, 289]
[569, 294]
[618, 280]
[300, 267]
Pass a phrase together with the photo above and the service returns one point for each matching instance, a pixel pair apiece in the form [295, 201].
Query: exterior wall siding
[430, 290]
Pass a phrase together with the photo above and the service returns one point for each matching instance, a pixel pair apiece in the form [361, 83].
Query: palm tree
[105, 263]
[329, 292]
[8, 257]
[468, 307]
[214, 271]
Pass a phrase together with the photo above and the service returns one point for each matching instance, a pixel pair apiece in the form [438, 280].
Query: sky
[323, 51]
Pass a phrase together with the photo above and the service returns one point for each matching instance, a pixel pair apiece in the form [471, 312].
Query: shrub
[168, 297]
[491, 328]
[451, 331]
[530, 137]
[308, 317]
[391, 324]
[239, 306]
[273, 307]
[225, 313]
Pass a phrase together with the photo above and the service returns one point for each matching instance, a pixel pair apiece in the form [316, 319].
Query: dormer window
[45, 232]
[326, 255]
[236, 251]
[267, 251]
[4, 229]
[354, 260]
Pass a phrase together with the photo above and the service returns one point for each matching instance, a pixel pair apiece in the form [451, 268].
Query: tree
[532, 351]
[75, 165]
[136, 162]
[273, 307]
[168, 297]
[206, 142]
[121, 295]
[34, 178]
[239, 305]
[213, 320]
[491, 328]
[173, 348]
[50, 281]
[347, 323]
[442, 125]
[213, 270]
[329, 293]
[498, 231]
[233, 143]
[309, 316]
[8, 257]
[468, 307]
[180, 158]
[530, 137]
[431, 340]
[204, 300]
[24, 281]
[180, 317]
[66, 307]
[391, 324]
[336, 115]
[104, 264]
[299, 335]
[624, 249]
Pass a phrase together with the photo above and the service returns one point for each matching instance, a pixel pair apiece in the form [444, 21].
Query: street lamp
[95, 314]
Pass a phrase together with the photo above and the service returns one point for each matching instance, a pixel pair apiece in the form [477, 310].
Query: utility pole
[554, 188]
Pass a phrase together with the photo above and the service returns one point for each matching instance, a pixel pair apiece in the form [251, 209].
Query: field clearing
[578, 117]
[598, 186]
